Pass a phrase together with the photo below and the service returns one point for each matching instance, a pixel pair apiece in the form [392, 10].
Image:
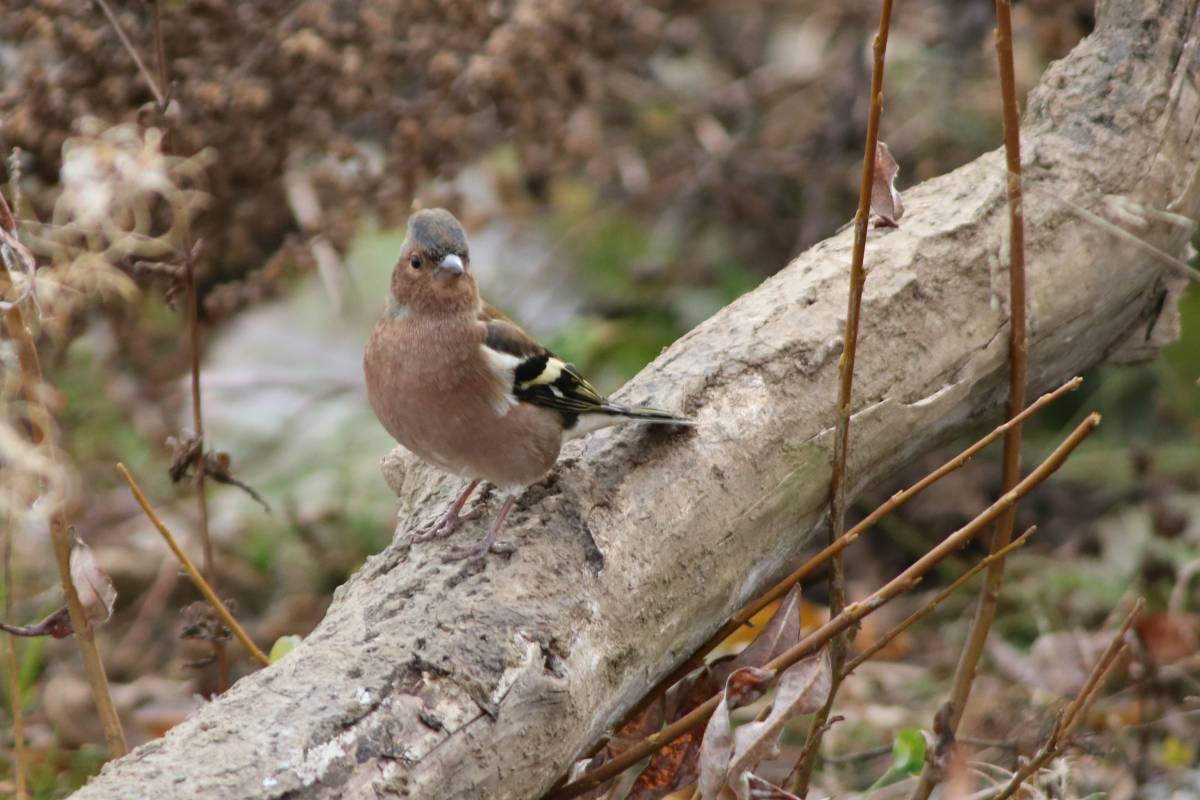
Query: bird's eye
[415, 262]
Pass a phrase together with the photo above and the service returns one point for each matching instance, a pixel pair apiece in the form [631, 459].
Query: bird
[466, 389]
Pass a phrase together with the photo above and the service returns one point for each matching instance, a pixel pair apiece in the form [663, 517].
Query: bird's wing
[538, 376]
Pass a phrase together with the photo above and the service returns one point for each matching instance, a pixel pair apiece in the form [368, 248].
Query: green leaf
[283, 645]
[908, 751]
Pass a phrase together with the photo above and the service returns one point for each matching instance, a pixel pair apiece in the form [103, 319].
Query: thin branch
[193, 325]
[160, 52]
[841, 439]
[1069, 720]
[849, 616]
[860, 755]
[193, 322]
[16, 701]
[807, 568]
[158, 89]
[192, 572]
[159, 97]
[134, 650]
[1142, 213]
[989, 596]
[60, 535]
[886, 749]
[1179, 266]
[924, 610]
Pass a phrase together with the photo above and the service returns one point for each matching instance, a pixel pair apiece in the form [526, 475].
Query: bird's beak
[450, 265]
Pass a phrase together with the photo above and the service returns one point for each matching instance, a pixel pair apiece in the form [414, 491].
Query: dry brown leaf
[885, 200]
[727, 758]
[803, 688]
[780, 633]
[1168, 637]
[677, 764]
[646, 722]
[762, 789]
[694, 689]
[716, 751]
[95, 589]
[670, 767]
[717, 747]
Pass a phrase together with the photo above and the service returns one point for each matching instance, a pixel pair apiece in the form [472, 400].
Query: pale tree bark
[438, 680]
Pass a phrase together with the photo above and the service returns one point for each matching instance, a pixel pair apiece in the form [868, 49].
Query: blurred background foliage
[624, 169]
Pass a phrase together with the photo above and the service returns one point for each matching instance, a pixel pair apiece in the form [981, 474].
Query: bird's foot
[453, 517]
[478, 551]
[443, 527]
[474, 513]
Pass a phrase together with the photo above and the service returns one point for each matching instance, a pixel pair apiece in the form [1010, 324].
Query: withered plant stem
[923, 611]
[807, 568]
[155, 89]
[849, 616]
[193, 322]
[1070, 718]
[160, 90]
[160, 53]
[841, 438]
[191, 570]
[989, 596]
[60, 536]
[17, 707]
[210, 573]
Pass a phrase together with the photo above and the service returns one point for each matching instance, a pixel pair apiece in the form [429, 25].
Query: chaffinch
[464, 388]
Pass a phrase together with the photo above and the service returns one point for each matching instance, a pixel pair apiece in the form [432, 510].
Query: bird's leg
[449, 522]
[488, 543]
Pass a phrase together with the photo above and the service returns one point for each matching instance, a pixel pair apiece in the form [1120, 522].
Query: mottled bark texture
[443, 681]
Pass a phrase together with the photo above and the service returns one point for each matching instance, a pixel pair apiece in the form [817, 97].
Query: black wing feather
[541, 377]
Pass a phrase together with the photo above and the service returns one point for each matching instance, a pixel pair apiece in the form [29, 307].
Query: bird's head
[433, 275]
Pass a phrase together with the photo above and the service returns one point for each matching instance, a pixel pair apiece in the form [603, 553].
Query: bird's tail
[644, 414]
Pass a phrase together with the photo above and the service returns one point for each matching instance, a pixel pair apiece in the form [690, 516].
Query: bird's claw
[443, 527]
[474, 513]
[480, 550]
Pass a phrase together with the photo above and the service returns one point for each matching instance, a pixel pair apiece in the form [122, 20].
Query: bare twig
[155, 89]
[989, 596]
[1069, 720]
[841, 438]
[885, 749]
[158, 88]
[193, 324]
[193, 303]
[193, 573]
[17, 705]
[160, 53]
[924, 610]
[60, 535]
[1179, 266]
[859, 755]
[808, 753]
[61, 538]
[849, 616]
[807, 568]
[132, 652]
